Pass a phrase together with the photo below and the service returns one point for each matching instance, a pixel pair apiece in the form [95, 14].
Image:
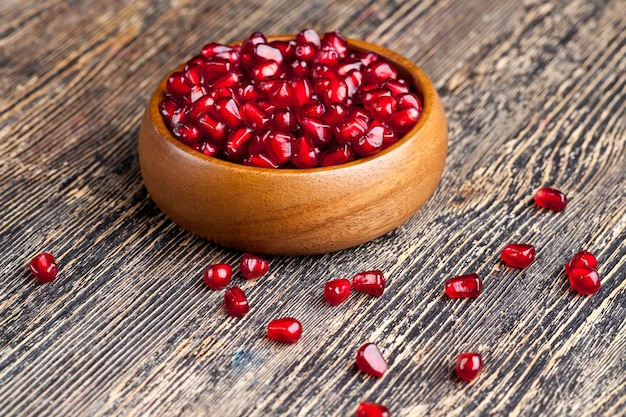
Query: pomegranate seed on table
[217, 276]
[236, 302]
[286, 329]
[369, 282]
[584, 280]
[370, 360]
[253, 266]
[518, 255]
[464, 286]
[551, 199]
[337, 291]
[468, 365]
[582, 258]
[369, 409]
[44, 267]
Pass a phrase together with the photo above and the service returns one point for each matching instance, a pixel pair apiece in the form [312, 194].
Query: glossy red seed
[337, 92]
[236, 302]
[306, 51]
[178, 85]
[280, 94]
[518, 255]
[370, 143]
[213, 128]
[337, 291]
[370, 360]
[313, 110]
[409, 100]
[337, 41]
[551, 199]
[283, 119]
[353, 80]
[327, 55]
[170, 110]
[265, 52]
[305, 154]
[299, 91]
[44, 267]
[217, 276]
[216, 68]
[335, 114]
[209, 148]
[301, 69]
[389, 138]
[582, 258]
[260, 160]
[378, 72]
[316, 130]
[227, 111]
[464, 286]
[383, 107]
[248, 92]
[369, 282]
[253, 266]
[404, 119]
[369, 96]
[187, 134]
[369, 409]
[236, 146]
[253, 116]
[196, 93]
[320, 71]
[396, 87]
[280, 146]
[286, 330]
[468, 365]
[353, 127]
[584, 280]
[228, 79]
[308, 36]
[201, 106]
[264, 70]
[213, 48]
[337, 155]
[286, 48]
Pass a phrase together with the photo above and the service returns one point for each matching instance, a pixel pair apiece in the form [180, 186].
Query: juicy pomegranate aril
[518, 255]
[337, 291]
[551, 199]
[286, 329]
[44, 267]
[217, 276]
[371, 361]
[582, 258]
[252, 266]
[468, 365]
[368, 409]
[369, 282]
[228, 99]
[236, 302]
[584, 280]
[464, 286]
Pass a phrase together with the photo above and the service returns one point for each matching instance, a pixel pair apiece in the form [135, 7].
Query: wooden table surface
[534, 93]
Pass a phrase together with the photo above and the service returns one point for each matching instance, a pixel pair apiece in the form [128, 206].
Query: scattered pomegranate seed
[253, 266]
[337, 291]
[287, 330]
[468, 365]
[44, 267]
[464, 286]
[370, 360]
[518, 255]
[582, 258]
[369, 282]
[551, 199]
[236, 302]
[217, 276]
[584, 280]
[367, 409]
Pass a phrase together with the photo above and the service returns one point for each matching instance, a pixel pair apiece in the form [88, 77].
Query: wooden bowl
[297, 211]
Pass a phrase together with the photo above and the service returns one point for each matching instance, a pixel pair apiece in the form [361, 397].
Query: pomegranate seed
[44, 267]
[217, 276]
[306, 51]
[236, 145]
[464, 286]
[378, 72]
[327, 55]
[228, 79]
[267, 106]
[582, 258]
[518, 255]
[209, 149]
[335, 114]
[187, 134]
[337, 291]
[260, 160]
[248, 92]
[286, 48]
[409, 100]
[265, 52]
[236, 302]
[301, 69]
[196, 92]
[308, 36]
[345, 68]
[280, 94]
[370, 143]
[396, 87]
[337, 155]
[216, 68]
[201, 106]
[266, 69]
[389, 138]
[337, 41]
[299, 91]
[353, 80]
[211, 49]
[369, 96]
[213, 128]
[383, 107]
[352, 128]
[468, 365]
[370, 360]
[283, 119]
[319, 132]
[337, 92]
[313, 110]
[170, 110]
[367, 409]
[222, 92]
[369, 282]
[305, 155]
[280, 146]
[253, 266]
[551, 199]
[178, 85]
[584, 280]
[403, 120]
[253, 116]
[367, 58]
[320, 71]
[227, 111]
[286, 329]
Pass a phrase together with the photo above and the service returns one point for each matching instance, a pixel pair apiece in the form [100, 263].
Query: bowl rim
[420, 79]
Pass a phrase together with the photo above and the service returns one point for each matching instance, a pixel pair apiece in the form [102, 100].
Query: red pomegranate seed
[320, 71]
[468, 365]
[389, 138]
[308, 36]
[337, 155]
[266, 69]
[227, 111]
[217, 276]
[369, 282]
[464, 286]
[280, 94]
[280, 146]
[265, 52]
[253, 116]
[370, 143]
[213, 128]
[337, 92]
[337, 291]
[369, 96]
[344, 68]
[260, 160]
[299, 91]
[267, 106]
[306, 51]
[213, 48]
[404, 119]
[383, 107]
[301, 69]
[409, 100]
[187, 134]
[170, 110]
[551, 199]
[584, 280]
[44, 267]
[305, 155]
[286, 48]
[236, 146]
[337, 41]
[518, 255]
[582, 258]
[335, 114]
[253, 266]
[194, 73]
[378, 72]
[368, 409]
[353, 80]
[367, 58]
[201, 106]
[228, 79]
[313, 110]
[209, 149]
[319, 132]
[178, 85]
[327, 55]
[352, 128]
[236, 302]
[396, 87]
[248, 92]
[286, 329]
[283, 119]
[370, 360]
[216, 68]
[222, 92]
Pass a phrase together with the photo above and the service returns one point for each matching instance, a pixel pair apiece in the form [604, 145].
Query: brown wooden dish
[297, 211]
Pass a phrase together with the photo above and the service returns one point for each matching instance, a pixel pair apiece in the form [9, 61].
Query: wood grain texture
[534, 96]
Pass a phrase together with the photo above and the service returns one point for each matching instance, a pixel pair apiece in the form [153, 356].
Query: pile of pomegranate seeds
[468, 365]
[302, 103]
[367, 409]
[581, 270]
[551, 199]
[44, 267]
[286, 329]
[518, 255]
[370, 360]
